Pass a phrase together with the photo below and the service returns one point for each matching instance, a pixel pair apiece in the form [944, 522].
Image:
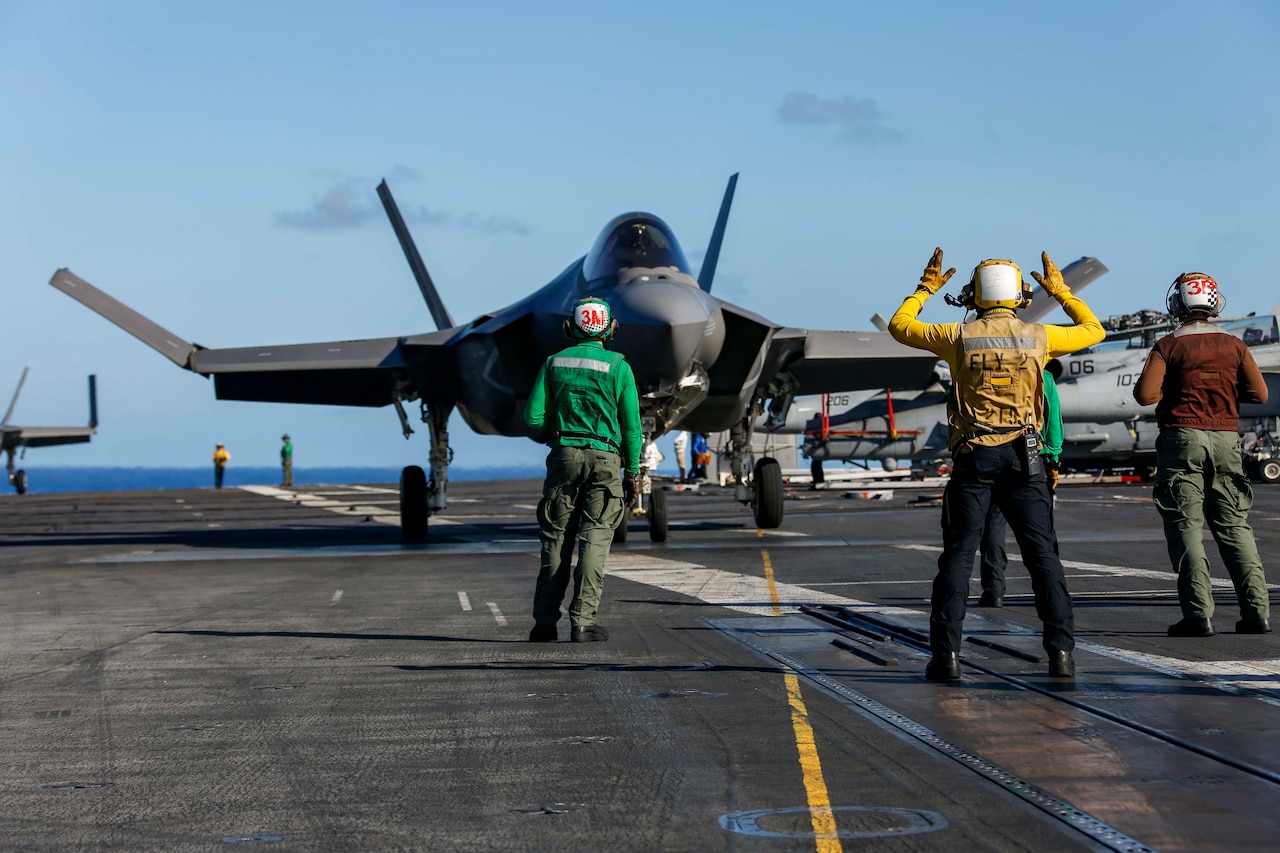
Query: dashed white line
[497, 614]
[464, 600]
[337, 596]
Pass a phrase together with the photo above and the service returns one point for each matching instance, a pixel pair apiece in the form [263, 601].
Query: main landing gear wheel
[620, 532]
[657, 516]
[768, 502]
[413, 504]
[1268, 471]
[20, 480]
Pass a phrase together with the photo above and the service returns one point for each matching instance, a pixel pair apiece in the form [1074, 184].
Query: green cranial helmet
[591, 320]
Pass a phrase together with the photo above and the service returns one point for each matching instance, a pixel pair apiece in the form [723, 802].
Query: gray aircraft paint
[1104, 425]
[701, 363]
[15, 439]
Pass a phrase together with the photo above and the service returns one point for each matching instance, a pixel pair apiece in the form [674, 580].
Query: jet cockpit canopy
[633, 241]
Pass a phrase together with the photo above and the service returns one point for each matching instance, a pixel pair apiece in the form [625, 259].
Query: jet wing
[369, 372]
[341, 373]
[830, 361]
[16, 436]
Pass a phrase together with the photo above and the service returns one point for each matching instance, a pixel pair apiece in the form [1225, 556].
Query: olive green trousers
[581, 505]
[1199, 478]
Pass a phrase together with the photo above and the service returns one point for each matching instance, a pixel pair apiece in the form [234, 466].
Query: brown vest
[998, 379]
[1201, 378]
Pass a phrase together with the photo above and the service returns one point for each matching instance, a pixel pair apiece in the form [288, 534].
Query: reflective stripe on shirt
[999, 342]
[583, 363]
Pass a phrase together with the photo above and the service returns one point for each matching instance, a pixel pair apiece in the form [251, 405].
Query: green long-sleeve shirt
[1051, 435]
[588, 394]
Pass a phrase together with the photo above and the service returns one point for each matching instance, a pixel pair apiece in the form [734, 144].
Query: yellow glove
[631, 490]
[1054, 470]
[934, 279]
[1051, 281]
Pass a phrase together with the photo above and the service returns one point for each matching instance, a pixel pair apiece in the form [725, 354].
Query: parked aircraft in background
[701, 363]
[1103, 425]
[19, 438]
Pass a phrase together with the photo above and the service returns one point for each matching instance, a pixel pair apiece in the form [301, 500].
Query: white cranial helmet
[998, 283]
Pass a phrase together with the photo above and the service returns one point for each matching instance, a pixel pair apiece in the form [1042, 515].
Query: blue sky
[214, 167]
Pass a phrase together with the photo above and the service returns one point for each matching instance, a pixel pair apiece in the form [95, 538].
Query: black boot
[990, 600]
[1191, 626]
[945, 666]
[544, 634]
[588, 633]
[1253, 625]
[1062, 665]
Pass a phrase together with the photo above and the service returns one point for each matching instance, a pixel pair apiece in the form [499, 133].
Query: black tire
[1268, 470]
[768, 502]
[413, 504]
[20, 481]
[620, 532]
[657, 516]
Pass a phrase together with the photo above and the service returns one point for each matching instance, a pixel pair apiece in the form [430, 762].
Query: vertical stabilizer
[16, 392]
[1078, 275]
[438, 312]
[708, 272]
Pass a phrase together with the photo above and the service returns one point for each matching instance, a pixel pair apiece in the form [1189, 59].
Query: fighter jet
[19, 438]
[1103, 425]
[701, 363]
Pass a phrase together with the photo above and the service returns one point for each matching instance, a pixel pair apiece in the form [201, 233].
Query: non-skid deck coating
[191, 670]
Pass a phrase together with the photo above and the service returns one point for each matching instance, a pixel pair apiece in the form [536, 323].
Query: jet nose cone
[659, 301]
[663, 326]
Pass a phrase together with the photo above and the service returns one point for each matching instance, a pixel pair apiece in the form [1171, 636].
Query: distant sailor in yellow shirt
[220, 459]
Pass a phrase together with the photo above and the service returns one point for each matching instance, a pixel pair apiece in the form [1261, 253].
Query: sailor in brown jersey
[1197, 376]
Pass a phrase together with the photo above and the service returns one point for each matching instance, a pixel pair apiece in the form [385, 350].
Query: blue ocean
[67, 479]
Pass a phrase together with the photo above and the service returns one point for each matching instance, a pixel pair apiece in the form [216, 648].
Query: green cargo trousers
[582, 503]
[1199, 477]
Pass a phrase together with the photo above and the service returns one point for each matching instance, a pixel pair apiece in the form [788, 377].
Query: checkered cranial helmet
[591, 320]
[1194, 292]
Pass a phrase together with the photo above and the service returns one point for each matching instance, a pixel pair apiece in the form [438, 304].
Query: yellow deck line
[815, 786]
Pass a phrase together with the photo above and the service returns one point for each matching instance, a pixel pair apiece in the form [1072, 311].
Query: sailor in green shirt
[993, 557]
[584, 402]
[286, 461]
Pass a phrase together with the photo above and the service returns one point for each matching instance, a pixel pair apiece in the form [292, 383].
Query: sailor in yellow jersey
[220, 459]
[995, 412]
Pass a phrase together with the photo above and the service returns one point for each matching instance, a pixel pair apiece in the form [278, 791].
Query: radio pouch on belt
[1029, 449]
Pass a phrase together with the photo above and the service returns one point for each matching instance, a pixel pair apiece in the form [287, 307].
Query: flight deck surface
[183, 670]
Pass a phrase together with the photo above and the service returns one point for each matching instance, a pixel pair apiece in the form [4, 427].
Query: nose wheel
[413, 504]
[657, 516]
[767, 503]
[20, 481]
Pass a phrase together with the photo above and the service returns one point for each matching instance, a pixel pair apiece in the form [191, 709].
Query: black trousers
[993, 558]
[979, 478]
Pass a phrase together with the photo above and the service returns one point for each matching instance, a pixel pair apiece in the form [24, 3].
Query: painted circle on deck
[858, 821]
